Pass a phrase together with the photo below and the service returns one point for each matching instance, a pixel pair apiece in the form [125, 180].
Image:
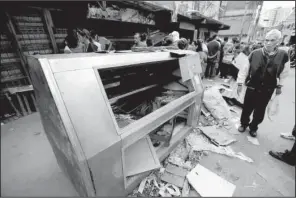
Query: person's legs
[288, 157]
[211, 69]
[207, 72]
[259, 110]
[248, 108]
[222, 70]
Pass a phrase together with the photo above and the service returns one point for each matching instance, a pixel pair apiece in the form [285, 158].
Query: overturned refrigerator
[112, 118]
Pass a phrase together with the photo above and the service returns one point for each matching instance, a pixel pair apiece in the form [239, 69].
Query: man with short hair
[213, 57]
[267, 68]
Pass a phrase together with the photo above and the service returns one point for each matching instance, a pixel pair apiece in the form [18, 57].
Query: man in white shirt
[267, 68]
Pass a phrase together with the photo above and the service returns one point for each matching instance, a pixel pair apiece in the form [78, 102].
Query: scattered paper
[200, 143]
[185, 189]
[142, 185]
[169, 190]
[209, 184]
[173, 190]
[253, 140]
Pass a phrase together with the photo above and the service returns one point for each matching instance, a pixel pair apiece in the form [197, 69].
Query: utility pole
[256, 21]
[244, 20]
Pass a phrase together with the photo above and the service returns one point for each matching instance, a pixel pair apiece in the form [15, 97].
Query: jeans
[210, 70]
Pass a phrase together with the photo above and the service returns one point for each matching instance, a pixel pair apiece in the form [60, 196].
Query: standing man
[268, 67]
[221, 65]
[213, 57]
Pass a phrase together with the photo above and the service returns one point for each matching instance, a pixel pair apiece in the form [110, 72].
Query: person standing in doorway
[213, 57]
[268, 67]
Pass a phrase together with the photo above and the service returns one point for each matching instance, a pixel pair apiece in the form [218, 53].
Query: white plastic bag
[273, 108]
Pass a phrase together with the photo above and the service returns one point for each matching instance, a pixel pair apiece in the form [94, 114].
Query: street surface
[29, 167]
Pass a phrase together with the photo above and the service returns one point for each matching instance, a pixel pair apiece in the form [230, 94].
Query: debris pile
[214, 134]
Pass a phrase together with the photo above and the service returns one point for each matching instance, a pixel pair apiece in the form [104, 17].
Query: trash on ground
[193, 193]
[142, 185]
[254, 185]
[185, 189]
[200, 143]
[253, 140]
[149, 187]
[222, 138]
[287, 136]
[169, 190]
[179, 154]
[215, 103]
[176, 170]
[209, 184]
[173, 179]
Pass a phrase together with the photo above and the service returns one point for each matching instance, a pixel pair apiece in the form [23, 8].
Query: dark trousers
[223, 70]
[255, 102]
[210, 70]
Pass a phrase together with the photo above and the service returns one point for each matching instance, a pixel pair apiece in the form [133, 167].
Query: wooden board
[209, 184]
[140, 157]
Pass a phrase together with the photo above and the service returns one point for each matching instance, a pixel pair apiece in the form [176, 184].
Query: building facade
[274, 16]
[233, 15]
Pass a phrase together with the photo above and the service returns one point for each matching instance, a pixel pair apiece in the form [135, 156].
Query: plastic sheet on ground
[200, 143]
[215, 103]
[231, 92]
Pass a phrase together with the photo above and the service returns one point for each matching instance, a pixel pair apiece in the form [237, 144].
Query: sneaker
[286, 157]
[242, 128]
[287, 136]
[253, 133]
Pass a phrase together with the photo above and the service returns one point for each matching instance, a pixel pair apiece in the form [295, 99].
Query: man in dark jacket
[288, 157]
[213, 57]
[268, 67]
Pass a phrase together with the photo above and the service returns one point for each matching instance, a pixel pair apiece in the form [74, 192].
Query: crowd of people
[260, 68]
[80, 40]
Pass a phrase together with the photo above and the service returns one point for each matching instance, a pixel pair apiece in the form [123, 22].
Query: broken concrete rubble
[215, 103]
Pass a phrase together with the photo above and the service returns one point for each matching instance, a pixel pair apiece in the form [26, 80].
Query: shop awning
[205, 21]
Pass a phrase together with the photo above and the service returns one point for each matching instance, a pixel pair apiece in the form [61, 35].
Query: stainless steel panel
[88, 110]
[108, 60]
